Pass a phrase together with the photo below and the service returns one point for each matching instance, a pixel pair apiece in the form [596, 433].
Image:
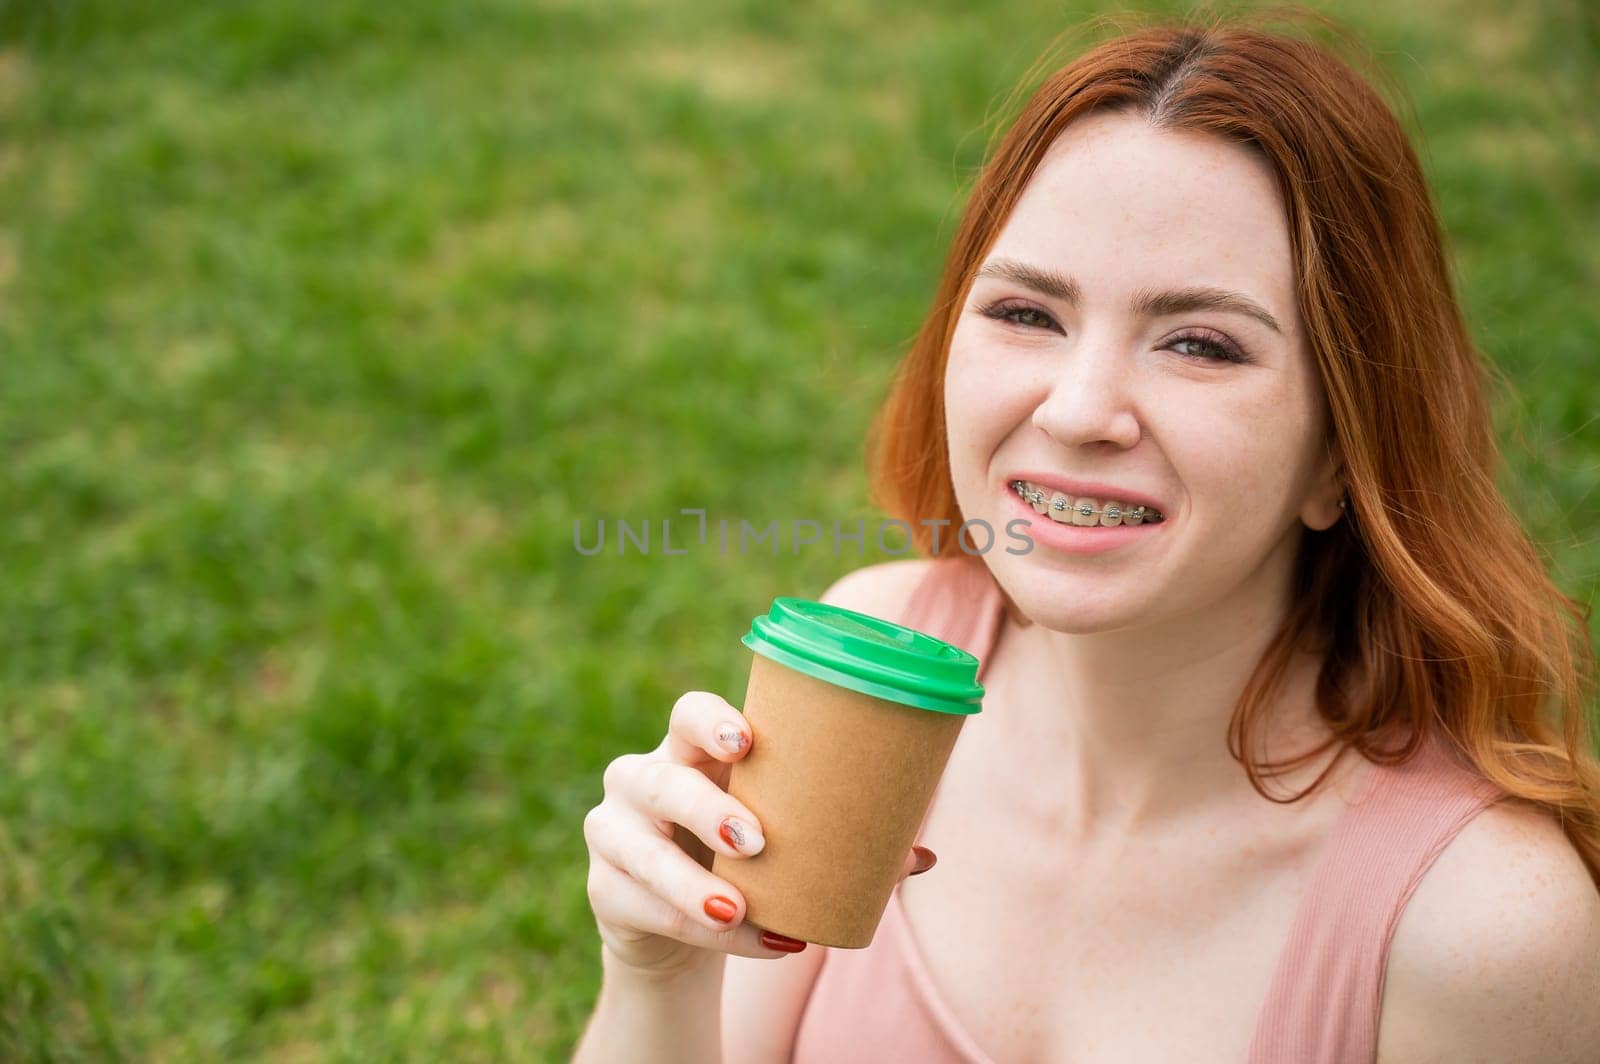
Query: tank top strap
[1327, 990]
[957, 600]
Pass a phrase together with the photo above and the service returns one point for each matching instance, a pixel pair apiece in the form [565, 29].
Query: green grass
[321, 323]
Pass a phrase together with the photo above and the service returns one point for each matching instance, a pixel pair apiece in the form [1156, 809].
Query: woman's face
[1213, 413]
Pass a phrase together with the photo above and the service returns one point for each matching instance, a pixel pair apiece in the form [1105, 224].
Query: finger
[918, 861]
[703, 727]
[619, 899]
[625, 842]
[667, 792]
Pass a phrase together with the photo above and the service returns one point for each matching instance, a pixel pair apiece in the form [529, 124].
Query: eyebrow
[1145, 301]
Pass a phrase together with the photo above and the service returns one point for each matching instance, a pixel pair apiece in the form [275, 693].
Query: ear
[1321, 511]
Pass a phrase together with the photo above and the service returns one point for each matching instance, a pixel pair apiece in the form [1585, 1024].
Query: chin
[1056, 603]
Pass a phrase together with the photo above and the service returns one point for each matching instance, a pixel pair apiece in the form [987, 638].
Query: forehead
[1121, 205]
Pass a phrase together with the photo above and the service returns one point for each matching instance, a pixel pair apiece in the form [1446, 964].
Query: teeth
[1085, 511]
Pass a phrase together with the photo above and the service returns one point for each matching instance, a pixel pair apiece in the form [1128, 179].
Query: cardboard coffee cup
[853, 720]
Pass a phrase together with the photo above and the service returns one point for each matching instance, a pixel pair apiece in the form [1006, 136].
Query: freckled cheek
[976, 423]
[982, 406]
[987, 375]
[1240, 460]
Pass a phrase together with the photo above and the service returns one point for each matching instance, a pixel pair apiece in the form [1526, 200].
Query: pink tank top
[882, 1004]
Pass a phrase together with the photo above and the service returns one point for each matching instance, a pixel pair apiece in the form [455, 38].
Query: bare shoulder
[1497, 955]
[881, 590]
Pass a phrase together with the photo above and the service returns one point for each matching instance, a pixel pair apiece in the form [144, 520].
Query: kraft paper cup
[854, 719]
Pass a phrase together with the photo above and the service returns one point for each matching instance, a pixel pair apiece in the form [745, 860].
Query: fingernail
[926, 859]
[741, 836]
[721, 909]
[773, 940]
[731, 737]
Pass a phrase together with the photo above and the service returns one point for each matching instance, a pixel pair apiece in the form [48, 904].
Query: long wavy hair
[1429, 604]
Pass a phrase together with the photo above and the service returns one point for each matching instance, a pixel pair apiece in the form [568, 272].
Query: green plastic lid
[866, 654]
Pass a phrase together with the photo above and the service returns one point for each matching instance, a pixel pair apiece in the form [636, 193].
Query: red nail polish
[926, 859]
[721, 909]
[773, 940]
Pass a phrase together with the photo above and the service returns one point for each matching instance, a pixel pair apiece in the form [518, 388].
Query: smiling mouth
[1084, 511]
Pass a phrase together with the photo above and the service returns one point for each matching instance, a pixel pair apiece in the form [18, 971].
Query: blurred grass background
[323, 321]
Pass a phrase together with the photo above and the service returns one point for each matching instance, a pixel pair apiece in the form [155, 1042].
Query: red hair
[1429, 605]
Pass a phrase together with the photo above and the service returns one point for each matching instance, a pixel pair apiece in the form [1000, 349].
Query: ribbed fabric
[1326, 992]
[881, 1004]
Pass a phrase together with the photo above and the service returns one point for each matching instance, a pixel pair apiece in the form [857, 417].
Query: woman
[1200, 275]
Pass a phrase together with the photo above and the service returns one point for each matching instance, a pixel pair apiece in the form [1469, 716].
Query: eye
[1005, 311]
[1213, 346]
[1205, 345]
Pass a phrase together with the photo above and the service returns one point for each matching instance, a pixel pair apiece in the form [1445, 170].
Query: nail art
[731, 737]
[741, 836]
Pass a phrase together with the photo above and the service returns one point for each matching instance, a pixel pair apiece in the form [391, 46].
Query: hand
[659, 910]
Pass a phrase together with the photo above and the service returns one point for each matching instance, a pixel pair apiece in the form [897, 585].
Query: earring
[1341, 504]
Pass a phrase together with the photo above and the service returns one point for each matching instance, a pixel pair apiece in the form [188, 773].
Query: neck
[1116, 734]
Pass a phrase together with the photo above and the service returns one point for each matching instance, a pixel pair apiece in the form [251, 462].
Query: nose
[1090, 399]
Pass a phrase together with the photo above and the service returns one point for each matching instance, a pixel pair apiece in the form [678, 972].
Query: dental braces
[1146, 514]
